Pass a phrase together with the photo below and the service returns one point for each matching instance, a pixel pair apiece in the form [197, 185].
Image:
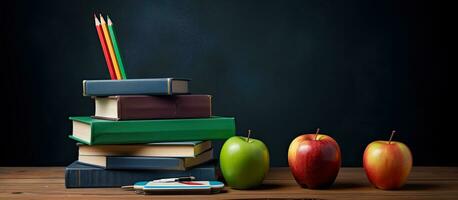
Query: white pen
[167, 180]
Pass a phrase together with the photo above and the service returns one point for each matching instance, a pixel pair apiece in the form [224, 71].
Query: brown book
[135, 107]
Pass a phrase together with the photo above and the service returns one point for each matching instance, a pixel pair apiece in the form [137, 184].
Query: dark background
[355, 69]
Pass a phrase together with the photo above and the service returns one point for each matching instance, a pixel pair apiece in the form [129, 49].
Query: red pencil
[105, 49]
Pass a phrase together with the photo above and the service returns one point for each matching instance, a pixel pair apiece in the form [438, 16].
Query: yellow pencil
[110, 47]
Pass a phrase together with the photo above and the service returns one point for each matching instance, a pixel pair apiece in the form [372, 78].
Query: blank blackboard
[355, 69]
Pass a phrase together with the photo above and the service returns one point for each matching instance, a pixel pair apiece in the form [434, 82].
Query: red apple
[387, 163]
[314, 160]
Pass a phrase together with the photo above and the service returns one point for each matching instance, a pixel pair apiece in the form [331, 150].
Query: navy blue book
[146, 162]
[78, 175]
[153, 86]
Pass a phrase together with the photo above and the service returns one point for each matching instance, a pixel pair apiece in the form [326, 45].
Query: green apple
[244, 162]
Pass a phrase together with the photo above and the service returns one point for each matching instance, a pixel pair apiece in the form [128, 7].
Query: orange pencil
[104, 48]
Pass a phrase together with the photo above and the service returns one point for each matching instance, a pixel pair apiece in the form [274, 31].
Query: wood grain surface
[424, 183]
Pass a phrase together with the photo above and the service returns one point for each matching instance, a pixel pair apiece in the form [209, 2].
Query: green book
[97, 131]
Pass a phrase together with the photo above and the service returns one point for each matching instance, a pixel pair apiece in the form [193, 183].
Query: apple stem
[316, 133]
[391, 137]
[248, 138]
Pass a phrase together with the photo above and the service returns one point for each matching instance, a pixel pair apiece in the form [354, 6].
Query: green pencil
[116, 49]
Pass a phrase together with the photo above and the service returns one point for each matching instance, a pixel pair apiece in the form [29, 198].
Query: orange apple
[387, 163]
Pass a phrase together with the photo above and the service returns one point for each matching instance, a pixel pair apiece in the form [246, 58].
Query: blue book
[146, 162]
[153, 86]
[79, 175]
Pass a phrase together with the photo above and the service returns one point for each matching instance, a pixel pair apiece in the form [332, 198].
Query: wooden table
[424, 183]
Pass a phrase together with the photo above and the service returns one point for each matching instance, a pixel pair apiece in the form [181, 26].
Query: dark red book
[136, 107]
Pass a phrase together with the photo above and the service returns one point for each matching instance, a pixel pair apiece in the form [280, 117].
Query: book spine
[145, 163]
[127, 87]
[129, 132]
[97, 177]
[162, 107]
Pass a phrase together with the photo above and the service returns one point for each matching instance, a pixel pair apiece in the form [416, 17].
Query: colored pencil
[104, 48]
[115, 47]
[110, 47]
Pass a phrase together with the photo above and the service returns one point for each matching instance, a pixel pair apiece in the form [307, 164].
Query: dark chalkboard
[355, 69]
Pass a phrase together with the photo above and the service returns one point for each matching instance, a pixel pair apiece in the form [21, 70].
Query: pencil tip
[97, 22]
[109, 21]
[102, 20]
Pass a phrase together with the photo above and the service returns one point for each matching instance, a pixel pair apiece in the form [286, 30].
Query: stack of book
[145, 129]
